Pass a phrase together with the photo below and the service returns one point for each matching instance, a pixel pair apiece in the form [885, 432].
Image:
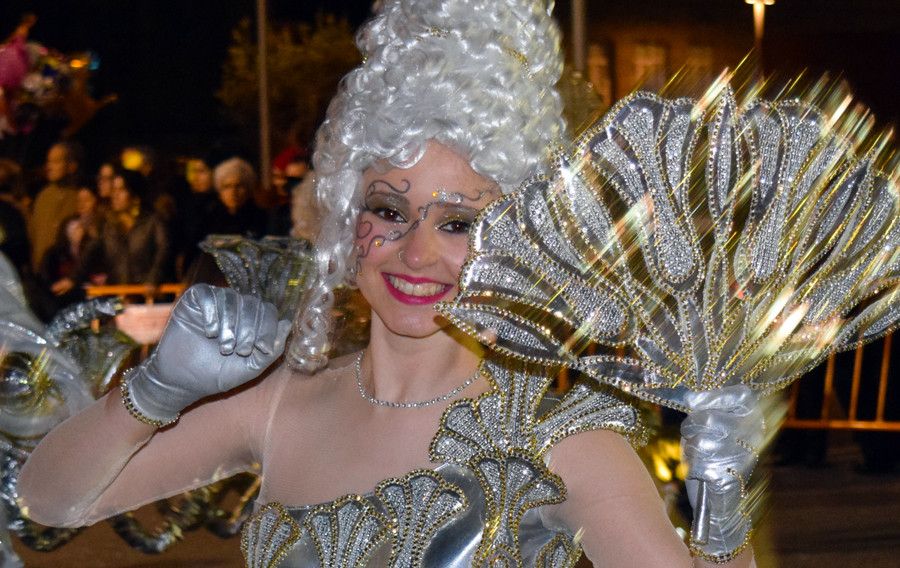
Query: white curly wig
[478, 76]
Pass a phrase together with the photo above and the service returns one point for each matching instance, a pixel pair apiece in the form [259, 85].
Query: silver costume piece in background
[274, 269]
[46, 375]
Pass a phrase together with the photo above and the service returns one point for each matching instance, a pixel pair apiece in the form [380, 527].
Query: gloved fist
[216, 339]
[721, 440]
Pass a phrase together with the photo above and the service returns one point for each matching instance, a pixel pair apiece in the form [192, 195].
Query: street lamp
[759, 15]
[578, 40]
[262, 69]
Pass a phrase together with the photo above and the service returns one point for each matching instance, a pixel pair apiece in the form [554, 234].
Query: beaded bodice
[480, 507]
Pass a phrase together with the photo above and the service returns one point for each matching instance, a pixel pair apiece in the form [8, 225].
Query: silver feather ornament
[693, 244]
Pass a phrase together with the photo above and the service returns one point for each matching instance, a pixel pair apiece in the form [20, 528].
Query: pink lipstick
[415, 290]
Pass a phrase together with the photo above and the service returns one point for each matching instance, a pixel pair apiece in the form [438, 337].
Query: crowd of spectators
[127, 222]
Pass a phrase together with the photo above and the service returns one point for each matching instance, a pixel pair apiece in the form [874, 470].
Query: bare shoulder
[596, 454]
[312, 388]
[600, 466]
[613, 502]
[602, 474]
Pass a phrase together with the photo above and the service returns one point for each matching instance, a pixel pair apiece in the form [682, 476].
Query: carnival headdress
[686, 245]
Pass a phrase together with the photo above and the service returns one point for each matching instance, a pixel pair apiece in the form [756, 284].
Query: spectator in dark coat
[134, 247]
[91, 212]
[194, 199]
[234, 212]
[62, 264]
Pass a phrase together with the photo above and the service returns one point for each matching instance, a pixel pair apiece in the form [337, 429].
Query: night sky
[163, 58]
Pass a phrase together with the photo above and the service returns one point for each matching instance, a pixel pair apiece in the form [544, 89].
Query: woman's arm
[103, 461]
[109, 459]
[613, 501]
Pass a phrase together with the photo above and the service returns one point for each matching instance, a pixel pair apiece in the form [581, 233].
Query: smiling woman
[412, 236]
[419, 450]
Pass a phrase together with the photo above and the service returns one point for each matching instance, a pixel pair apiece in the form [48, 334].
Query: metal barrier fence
[840, 407]
[130, 291]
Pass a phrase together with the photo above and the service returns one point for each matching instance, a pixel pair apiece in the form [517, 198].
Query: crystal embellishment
[268, 536]
[708, 243]
[420, 503]
[501, 438]
[346, 532]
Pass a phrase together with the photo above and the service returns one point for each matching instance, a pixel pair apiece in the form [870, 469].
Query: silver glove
[721, 439]
[215, 340]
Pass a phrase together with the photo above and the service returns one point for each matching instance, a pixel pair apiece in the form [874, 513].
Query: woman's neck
[404, 369]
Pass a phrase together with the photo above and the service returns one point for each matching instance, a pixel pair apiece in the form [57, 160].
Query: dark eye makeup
[390, 207]
[456, 226]
[388, 214]
[394, 208]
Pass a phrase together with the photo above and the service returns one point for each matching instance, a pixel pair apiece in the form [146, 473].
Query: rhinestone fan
[692, 244]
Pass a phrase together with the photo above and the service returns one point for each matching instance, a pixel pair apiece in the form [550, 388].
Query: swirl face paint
[455, 211]
[412, 235]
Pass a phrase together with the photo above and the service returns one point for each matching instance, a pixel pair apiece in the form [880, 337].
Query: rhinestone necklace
[416, 404]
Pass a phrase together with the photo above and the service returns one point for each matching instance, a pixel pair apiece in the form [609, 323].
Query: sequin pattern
[558, 553]
[697, 282]
[346, 532]
[501, 440]
[268, 536]
[420, 503]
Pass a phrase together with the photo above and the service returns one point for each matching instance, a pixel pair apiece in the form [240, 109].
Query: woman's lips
[414, 290]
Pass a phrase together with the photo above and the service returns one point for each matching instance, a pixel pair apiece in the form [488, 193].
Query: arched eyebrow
[384, 198]
[443, 195]
[381, 186]
[396, 194]
[393, 195]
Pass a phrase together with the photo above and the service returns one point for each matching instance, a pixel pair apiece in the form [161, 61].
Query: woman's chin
[415, 326]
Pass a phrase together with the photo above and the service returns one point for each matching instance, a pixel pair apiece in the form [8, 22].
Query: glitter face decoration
[412, 237]
[387, 215]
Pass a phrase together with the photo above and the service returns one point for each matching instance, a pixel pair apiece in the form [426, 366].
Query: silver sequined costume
[493, 474]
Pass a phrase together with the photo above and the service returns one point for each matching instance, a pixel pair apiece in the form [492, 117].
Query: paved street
[832, 517]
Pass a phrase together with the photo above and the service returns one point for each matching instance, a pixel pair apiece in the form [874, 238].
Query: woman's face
[105, 176]
[58, 165]
[232, 192]
[120, 199]
[199, 176]
[74, 231]
[86, 204]
[412, 236]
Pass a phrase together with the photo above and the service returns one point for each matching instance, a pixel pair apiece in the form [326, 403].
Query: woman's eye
[456, 226]
[388, 214]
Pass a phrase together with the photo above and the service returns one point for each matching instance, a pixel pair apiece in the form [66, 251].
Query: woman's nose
[420, 248]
